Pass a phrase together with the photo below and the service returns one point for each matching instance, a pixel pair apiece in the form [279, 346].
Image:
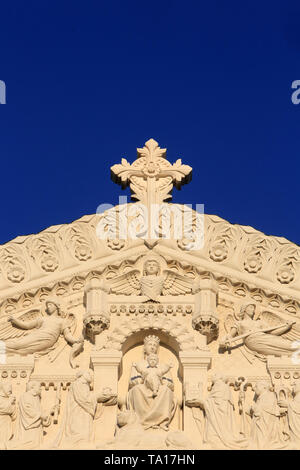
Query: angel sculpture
[152, 284]
[49, 333]
[268, 335]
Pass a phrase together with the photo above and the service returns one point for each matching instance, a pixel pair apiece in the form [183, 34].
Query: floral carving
[256, 252]
[219, 251]
[44, 251]
[13, 263]
[253, 264]
[116, 244]
[113, 223]
[82, 250]
[289, 260]
[78, 241]
[221, 242]
[15, 273]
[286, 274]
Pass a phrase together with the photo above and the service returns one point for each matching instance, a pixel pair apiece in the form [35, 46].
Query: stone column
[105, 364]
[195, 365]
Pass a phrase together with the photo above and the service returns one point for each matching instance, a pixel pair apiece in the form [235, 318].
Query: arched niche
[133, 351]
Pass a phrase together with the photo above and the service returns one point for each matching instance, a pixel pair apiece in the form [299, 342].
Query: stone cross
[151, 177]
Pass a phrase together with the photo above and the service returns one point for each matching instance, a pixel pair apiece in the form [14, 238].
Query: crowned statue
[153, 404]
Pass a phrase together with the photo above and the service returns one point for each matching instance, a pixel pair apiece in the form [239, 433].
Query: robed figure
[7, 413]
[77, 429]
[292, 408]
[154, 411]
[265, 428]
[31, 420]
[220, 428]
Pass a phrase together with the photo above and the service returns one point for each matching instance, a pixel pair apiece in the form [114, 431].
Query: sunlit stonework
[149, 341]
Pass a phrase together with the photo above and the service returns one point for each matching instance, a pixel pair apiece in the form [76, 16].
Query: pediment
[245, 262]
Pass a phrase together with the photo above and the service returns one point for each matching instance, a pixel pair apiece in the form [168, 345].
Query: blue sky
[88, 82]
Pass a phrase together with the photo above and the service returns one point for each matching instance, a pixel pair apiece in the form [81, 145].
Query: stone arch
[182, 337]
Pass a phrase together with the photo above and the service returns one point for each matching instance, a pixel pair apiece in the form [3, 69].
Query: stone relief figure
[292, 409]
[265, 427]
[220, 428]
[77, 425]
[48, 334]
[130, 434]
[268, 335]
[153, 411]
[31, 419]
[152, 284]
[153, 373]
[7, 413]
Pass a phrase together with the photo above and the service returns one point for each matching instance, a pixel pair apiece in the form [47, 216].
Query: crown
[151, 338]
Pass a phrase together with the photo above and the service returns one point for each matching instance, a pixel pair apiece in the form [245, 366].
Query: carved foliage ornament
[78, 241]
[289, 261]
[13, 262]
[222, 242]
[43, 250]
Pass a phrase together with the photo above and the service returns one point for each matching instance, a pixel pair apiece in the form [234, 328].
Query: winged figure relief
[267, 335]
[152, 283]
[41, 332]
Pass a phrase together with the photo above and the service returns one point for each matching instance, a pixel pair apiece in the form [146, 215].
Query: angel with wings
[152, 284]
[49, 333]
[265, 336]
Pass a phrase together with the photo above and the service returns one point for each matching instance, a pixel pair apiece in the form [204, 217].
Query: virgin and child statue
[151, 388]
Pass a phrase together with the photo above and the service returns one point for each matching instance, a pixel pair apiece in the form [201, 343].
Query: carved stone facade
[116, 336]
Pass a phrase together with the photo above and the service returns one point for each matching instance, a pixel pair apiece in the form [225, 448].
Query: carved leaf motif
[289, 261]
[256, 253]
[122, 171]
[222, 242]
[151, 149]
[13, 263]
[44, 251]
[180, 170]
[77, 240]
